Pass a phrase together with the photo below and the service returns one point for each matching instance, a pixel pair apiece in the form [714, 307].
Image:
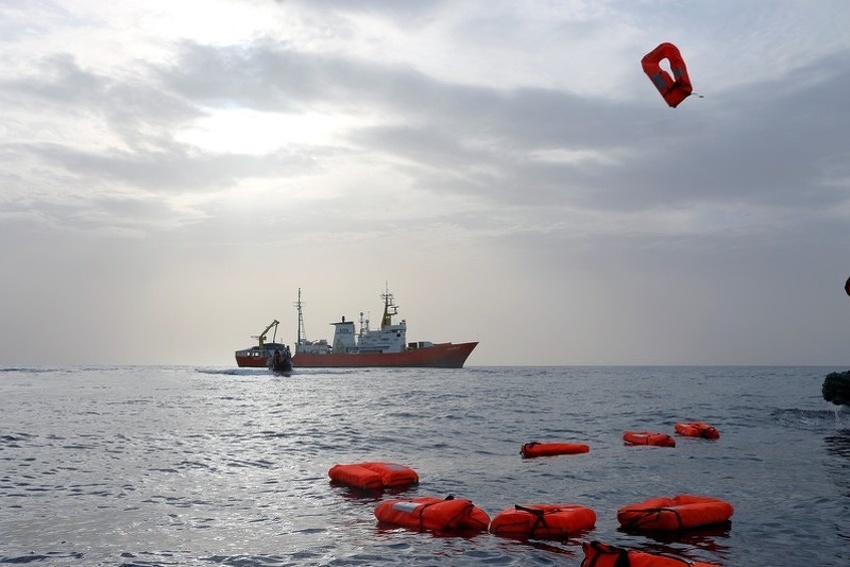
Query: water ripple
[216, 466]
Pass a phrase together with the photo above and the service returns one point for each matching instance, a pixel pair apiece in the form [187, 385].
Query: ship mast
[389, 303]
[301, 333]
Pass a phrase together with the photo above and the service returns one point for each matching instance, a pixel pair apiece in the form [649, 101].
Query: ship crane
[261, 338]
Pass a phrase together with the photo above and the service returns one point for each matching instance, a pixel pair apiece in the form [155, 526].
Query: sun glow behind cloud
[246, 131]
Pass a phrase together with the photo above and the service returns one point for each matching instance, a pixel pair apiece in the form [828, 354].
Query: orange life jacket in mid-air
[674, 89]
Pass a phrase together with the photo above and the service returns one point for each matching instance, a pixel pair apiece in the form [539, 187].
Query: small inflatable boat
[696, 429]
[373, 475]
[680, 512]
[543, 521]
[598, 554]
[431, 514]
[648, 438]
[281, 362]
[535, 449]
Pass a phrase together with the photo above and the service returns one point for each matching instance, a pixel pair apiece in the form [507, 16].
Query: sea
[207, 466]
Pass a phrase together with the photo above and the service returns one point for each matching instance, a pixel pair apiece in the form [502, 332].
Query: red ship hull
[257, 356]
[244, 362]
[444, 355]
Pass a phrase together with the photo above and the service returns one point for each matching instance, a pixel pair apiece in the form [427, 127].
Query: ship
[262, 355]
[385, 347]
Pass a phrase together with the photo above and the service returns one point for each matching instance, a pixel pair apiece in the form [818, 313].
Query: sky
[172, 173]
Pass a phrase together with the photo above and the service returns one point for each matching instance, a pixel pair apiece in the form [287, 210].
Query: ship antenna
[301, 333]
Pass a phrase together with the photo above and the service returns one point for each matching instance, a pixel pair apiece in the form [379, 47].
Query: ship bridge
[391, 338]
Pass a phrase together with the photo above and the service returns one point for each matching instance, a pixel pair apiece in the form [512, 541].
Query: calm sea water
[214, 466]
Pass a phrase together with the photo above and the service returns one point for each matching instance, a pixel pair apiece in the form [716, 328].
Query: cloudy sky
[173, 172]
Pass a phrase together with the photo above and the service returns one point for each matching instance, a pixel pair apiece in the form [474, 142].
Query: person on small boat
[281, 360]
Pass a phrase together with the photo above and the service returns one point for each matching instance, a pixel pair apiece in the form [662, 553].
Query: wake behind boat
[385, 347]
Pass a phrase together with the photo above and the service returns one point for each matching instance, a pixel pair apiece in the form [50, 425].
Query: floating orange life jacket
[697, 429]
[373, 475]
[535, 449]
[648, 438]
[433, 514]
[598, 554]
[543, 521]
[677, 513]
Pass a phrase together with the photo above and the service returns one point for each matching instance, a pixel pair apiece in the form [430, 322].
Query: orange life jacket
[373, 475]
[677, 513]
[697, 429]
[535, 449]
[674, 89]
[598, 554]
[648, 438]
[543, 521]
[433, 514]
